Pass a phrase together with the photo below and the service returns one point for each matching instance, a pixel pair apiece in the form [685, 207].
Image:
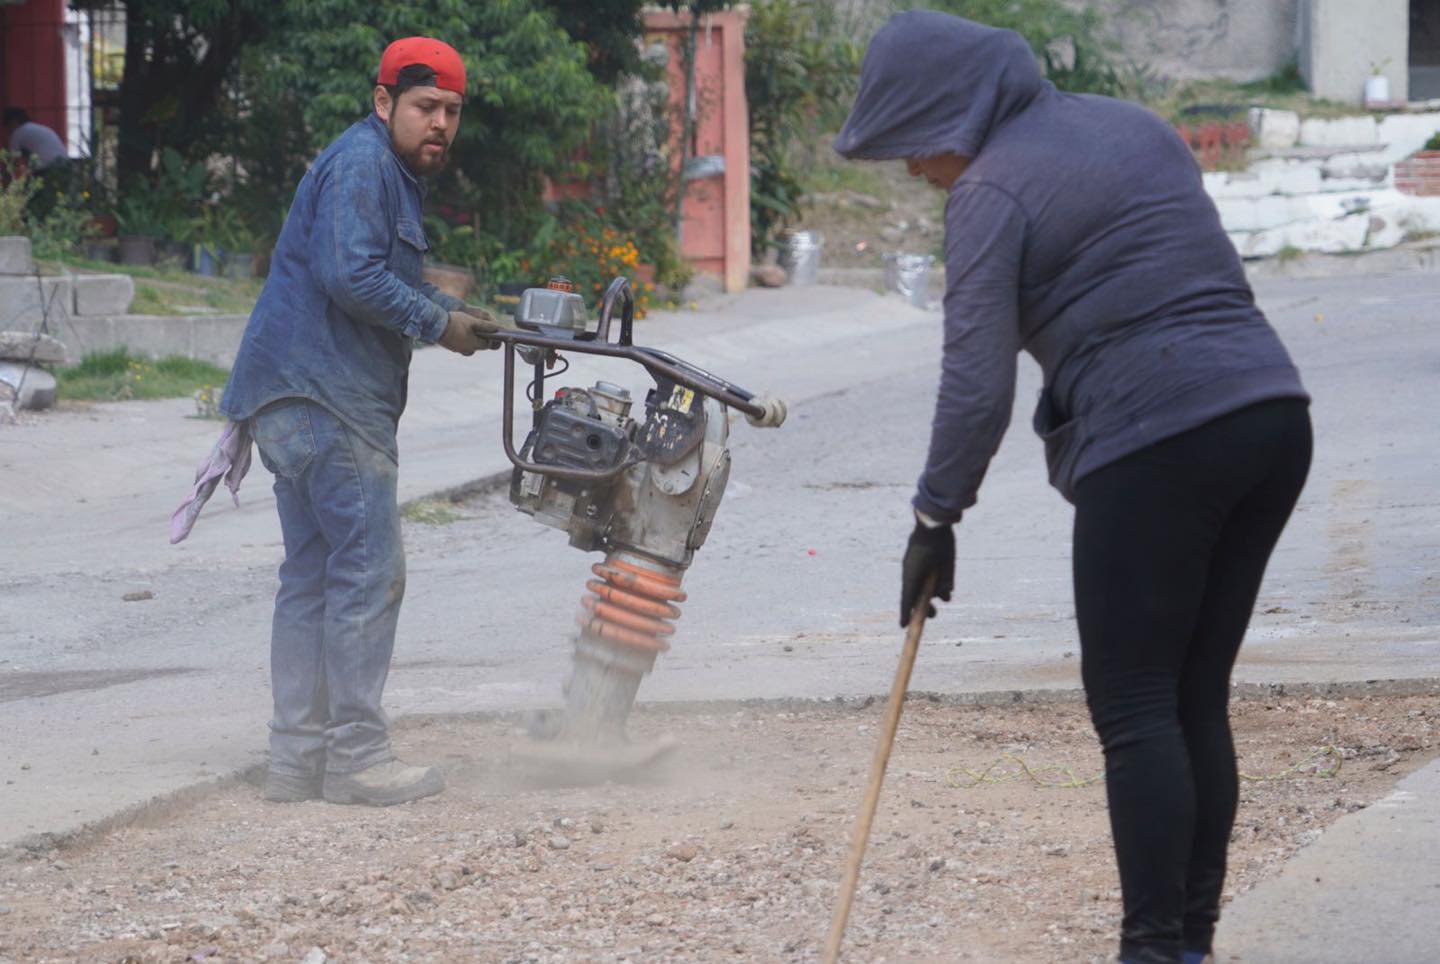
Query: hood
[936, 84]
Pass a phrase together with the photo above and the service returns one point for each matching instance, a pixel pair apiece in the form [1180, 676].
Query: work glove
[487, 321]
[465, 334]
[931, 551]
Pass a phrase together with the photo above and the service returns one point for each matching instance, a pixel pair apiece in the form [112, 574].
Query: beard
[418, 160]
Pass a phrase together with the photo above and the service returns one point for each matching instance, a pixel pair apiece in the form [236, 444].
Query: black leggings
[1170, 546]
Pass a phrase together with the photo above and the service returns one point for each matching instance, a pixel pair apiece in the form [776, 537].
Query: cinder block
[15, 256]
[103, 294]
[26, 302]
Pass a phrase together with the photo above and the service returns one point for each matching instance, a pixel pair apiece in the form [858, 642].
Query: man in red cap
[320, 380]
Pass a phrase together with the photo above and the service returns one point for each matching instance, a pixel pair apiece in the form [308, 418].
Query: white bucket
[909, 275]
[1377, 90]
[801, 256]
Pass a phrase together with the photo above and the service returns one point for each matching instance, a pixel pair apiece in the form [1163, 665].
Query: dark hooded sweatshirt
[1080, 232]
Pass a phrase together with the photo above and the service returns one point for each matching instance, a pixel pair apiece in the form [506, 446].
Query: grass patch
[1197, 101]
[119, 376]
[168, 289]
[832, 173]
[430, 512]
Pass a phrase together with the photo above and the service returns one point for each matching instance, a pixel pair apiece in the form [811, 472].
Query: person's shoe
[287, 788]
[383, 784]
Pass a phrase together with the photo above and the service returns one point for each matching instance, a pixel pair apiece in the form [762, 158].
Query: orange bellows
[631, 606]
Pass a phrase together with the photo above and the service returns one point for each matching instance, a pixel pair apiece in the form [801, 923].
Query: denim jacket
[344, 301]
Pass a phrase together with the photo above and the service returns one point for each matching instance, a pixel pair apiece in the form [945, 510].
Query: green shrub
[117, 376]
[800, 66]
[1068, 41]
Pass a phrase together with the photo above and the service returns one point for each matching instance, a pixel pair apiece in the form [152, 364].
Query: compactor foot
[570, 763]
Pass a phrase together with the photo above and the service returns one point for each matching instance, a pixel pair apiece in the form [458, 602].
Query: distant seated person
[37, 150]
[37, 145]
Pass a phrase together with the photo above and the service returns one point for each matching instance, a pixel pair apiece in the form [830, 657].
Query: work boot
[288, 788]
[383, 784]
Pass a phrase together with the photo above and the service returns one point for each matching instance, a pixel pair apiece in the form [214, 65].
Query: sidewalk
[1367, 890]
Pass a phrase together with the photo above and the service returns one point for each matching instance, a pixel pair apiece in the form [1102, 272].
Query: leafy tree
[799, 64]
[1067, 39]
[529, 105]
[610, 29]
[179, 54]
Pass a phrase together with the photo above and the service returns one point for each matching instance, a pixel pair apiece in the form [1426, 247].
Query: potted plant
[215, 235]
[1377, 85]
[139, 226]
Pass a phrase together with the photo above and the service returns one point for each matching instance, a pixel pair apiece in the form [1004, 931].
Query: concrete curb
[1412, 257]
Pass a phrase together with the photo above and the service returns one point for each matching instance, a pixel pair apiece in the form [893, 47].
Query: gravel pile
[731, 852]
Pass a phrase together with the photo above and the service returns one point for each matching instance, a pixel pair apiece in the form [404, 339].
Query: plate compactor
[642, 491]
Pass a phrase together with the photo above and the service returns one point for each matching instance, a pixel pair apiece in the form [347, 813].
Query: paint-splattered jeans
[340, 589]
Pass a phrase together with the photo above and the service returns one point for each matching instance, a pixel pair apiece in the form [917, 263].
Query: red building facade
[32, 61]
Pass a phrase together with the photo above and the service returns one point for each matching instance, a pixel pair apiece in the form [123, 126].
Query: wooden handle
[877, 774]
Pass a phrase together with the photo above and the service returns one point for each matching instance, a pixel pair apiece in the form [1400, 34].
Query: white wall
[1340, 40]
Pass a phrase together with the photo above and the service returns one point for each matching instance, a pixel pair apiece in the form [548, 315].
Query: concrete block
[1339, 131]
[1274, 129]
[1339, 185]
[154, 336]
[103, 294]
[1331, 237]
[1404, 134]
[1220, 185]
[1366, 165]
[1386, 229]
[15, 256]
[216, 338]
[31, 347]
[26, 302]
[1260, 214]
[1301, 178]
[34, 386]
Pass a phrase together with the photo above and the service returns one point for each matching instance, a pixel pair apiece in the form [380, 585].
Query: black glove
[930, 552]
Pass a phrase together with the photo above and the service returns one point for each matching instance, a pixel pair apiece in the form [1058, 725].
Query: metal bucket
[801, 256]
[909, 275]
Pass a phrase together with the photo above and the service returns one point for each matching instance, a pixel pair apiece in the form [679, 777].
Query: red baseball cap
[429, 52]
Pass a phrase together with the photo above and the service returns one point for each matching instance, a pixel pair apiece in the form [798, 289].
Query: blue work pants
[341, 585]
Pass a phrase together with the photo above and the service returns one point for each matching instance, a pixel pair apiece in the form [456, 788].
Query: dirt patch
[866, 208]
[732, 853]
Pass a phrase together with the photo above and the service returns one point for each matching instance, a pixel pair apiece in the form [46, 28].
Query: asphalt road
[106, 703]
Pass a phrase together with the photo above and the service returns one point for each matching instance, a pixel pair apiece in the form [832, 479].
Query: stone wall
[1185, 39]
